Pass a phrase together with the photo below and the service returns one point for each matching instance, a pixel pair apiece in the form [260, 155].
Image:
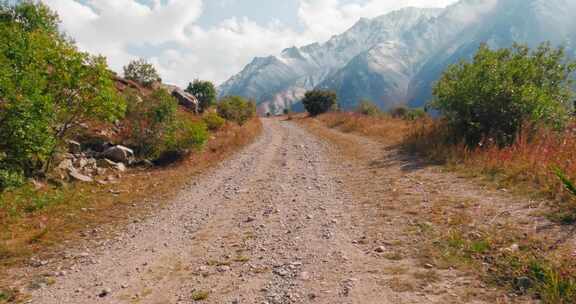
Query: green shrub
[149, 120]
[317, 102]
[47, 89]
[186, 135]
[204, 91]
[236, 109]
[141, 71]
[500, 90]
[367, 107]
[213, 121]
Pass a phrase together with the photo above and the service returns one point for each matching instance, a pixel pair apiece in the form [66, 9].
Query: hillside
[395, 58]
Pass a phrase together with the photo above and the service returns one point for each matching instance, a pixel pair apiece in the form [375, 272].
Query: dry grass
[507, 253]
[383, 128]
[528, 165]
[33, 221]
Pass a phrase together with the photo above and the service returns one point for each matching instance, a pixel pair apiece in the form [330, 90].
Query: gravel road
[274, 224]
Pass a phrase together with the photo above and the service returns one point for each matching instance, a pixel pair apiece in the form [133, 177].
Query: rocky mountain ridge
[394, 59]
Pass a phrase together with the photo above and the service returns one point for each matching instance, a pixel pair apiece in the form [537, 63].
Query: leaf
[567, 182]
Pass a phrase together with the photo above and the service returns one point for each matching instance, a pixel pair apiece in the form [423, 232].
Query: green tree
[46, 88]
[237, 109]
[317, 102]
[141, 71]
[500, 90]
[205, 91]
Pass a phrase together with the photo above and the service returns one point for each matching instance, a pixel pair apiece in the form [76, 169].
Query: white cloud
[182, 50]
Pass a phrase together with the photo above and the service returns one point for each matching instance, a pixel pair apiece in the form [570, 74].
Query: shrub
[237, 109]
[47, 89]
[204, 91]
[498, 91]
[213, 121]
[186, 135]
[317, 102]
[149, 120]
[367, 107]
[142, 72]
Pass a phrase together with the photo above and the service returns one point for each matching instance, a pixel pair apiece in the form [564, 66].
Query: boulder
[119, 154]
[74, 174]
[185, 99]
[108, 164]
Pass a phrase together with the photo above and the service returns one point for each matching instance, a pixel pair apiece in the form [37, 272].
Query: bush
[317, 102]
[186, 135]
[39, 109]
[367, 107]
[142, 72]
[204, 91]
[237, 109]
[213, 121]
[500, 90]
[149, 120]
[407, 113]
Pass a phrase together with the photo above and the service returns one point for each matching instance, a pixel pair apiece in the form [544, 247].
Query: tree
[237, 109]
[142, 72]
[317, 102]
[205, 91]
[46, 88]
[500, 90]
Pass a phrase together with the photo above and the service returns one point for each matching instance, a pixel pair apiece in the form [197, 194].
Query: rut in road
[274, 224]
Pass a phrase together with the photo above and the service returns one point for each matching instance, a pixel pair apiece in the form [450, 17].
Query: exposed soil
[291, 219]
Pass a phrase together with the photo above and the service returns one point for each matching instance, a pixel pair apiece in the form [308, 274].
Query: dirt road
[278, 223]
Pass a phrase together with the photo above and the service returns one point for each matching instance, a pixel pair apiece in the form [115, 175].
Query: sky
[209, 39]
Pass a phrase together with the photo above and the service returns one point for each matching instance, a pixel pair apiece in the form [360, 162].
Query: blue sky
[209, 39]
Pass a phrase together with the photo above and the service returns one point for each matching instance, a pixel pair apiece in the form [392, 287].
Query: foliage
[47, 88]
[141, 71]
[205, 91]
[566, 182]
[237, 109]
[407, 113]
[498, 91]
[213, 121]
[186, 135]
[367, 107]
[317, 102]
[149, 120]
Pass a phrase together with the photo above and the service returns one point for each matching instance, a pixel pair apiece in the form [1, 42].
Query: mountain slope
[395, 59]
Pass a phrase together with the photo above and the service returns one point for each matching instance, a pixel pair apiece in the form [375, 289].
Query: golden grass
[64, 213]
[383, 128]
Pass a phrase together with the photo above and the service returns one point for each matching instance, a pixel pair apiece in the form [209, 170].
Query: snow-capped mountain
[395, 58]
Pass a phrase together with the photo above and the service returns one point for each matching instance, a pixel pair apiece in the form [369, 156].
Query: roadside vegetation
[80, 144]
[505, 117]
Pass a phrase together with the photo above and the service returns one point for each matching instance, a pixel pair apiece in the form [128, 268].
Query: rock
[80, 177]
[104, 293]
[74, 147]
[108, 164]
[380, 249]
[223, 268]
[523, 283]
[119, 154]
[66, 165]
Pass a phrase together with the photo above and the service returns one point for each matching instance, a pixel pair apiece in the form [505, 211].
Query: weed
[200, 295]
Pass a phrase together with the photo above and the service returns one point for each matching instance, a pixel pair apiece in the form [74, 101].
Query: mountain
[395, 59]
